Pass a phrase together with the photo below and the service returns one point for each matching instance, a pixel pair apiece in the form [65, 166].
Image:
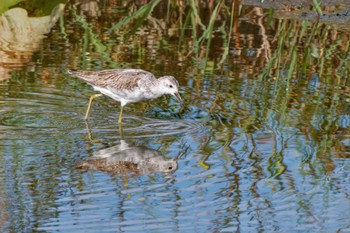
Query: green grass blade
[318, 7]
[142, 13]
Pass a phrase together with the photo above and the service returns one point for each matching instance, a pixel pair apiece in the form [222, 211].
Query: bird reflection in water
[125, 158]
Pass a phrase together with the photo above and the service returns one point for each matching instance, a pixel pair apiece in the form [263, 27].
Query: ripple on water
[44, 110]
[139, 127]
[147, 127]
[37, 114]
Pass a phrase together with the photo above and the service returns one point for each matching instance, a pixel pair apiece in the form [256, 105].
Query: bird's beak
[178, 97]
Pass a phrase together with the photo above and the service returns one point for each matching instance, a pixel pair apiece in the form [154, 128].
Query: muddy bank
[283, 4]
[333, 11]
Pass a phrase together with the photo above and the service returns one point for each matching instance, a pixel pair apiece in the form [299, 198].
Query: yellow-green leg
[89, 106]
[121, 132]
[120, 115]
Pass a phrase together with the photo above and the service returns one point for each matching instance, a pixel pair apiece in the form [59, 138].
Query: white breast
[122, 96]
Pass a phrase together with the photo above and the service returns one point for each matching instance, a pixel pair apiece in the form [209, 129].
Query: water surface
[263, 136]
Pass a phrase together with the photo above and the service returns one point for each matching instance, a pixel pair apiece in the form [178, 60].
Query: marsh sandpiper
[127, 85]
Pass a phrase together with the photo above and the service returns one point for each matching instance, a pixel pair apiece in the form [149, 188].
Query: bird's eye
[171, 86]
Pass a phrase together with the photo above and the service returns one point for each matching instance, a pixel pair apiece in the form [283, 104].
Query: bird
[127, 86]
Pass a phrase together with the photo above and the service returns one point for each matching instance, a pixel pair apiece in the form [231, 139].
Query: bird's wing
[126, 79]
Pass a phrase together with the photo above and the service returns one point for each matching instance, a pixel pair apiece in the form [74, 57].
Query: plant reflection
[271, 92]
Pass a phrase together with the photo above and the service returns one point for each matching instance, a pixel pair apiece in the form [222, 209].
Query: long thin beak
[178, 97]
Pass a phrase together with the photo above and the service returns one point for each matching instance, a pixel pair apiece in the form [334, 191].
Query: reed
[90, 37]
[140, 16]
[317, 7]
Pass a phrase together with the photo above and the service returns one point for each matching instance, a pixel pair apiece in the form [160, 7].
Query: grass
[317, 7]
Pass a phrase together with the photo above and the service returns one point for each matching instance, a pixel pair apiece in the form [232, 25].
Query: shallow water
[261, 143]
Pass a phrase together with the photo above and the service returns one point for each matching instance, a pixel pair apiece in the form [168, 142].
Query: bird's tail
[71, 71]
[88, 76]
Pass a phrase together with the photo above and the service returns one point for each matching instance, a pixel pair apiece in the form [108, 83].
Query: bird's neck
[156, 89]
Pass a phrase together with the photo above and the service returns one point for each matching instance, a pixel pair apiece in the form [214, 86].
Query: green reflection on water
[271, 93]
[35, 8]
[6, 4]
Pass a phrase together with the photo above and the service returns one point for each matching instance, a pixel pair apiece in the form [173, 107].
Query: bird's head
[170, 86]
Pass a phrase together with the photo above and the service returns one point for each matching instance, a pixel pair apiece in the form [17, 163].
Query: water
[261, 143]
